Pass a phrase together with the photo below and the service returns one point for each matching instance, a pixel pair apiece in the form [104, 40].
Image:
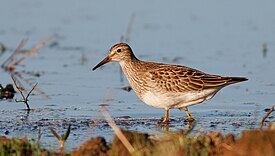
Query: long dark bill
[104, 61]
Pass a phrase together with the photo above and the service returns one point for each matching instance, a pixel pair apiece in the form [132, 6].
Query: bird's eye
[119, 50]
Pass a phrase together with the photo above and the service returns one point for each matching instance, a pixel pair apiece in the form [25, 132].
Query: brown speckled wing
[183, 79]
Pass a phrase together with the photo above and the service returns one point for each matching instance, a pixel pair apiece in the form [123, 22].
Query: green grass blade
[66, 135]
[55, 134]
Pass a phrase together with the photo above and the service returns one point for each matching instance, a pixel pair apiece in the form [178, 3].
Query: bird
[166, 86]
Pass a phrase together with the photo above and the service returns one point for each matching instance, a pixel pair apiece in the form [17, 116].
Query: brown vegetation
[256, 142]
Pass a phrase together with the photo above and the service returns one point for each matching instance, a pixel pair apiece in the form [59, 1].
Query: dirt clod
[94, 147]
[256, 142]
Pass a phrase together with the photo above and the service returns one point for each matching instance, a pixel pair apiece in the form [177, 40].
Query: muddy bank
[254, 142]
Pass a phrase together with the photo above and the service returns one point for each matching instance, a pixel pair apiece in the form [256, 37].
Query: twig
[32, 51]
[15, 53]
[268, 113]
[35, 89]
[25, 99]
[10, 64]
[21, 92]
[115, 128]
[31, 91]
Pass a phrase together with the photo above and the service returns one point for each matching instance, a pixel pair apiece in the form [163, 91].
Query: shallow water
[218, 37]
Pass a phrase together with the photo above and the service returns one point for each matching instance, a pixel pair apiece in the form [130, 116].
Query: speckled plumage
[164, 85]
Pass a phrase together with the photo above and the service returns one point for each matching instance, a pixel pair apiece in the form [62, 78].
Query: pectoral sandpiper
[165, 85]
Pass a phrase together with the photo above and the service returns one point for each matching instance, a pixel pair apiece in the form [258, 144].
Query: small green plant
[20, 147]
[62, 139]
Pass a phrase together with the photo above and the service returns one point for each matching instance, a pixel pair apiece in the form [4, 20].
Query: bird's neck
[131, 70]
[130, 66]
[129, 63]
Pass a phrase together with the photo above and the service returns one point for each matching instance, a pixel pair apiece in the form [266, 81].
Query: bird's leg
[166, 118]
[190, 118]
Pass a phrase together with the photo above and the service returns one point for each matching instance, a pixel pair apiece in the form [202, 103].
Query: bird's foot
[165, 120]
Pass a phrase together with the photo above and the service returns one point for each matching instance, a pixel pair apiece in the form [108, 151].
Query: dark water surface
[218, 37]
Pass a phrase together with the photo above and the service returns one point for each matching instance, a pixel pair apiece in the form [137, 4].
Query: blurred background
[231, 38]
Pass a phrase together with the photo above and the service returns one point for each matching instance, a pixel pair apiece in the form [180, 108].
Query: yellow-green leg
[190, 118]
[166, 118]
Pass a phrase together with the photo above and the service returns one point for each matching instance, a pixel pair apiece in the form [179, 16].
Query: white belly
[177, 100]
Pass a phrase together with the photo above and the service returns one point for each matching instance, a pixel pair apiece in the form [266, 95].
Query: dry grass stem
[117, 131]
[31, 91]
[115, 128]
[126, 38]
[20, 89]
[35, 89]
[266, 116]
[129, 28]
[228, 147]
[14, 54]
[12, 61]
[38, 136]
[31, 52]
